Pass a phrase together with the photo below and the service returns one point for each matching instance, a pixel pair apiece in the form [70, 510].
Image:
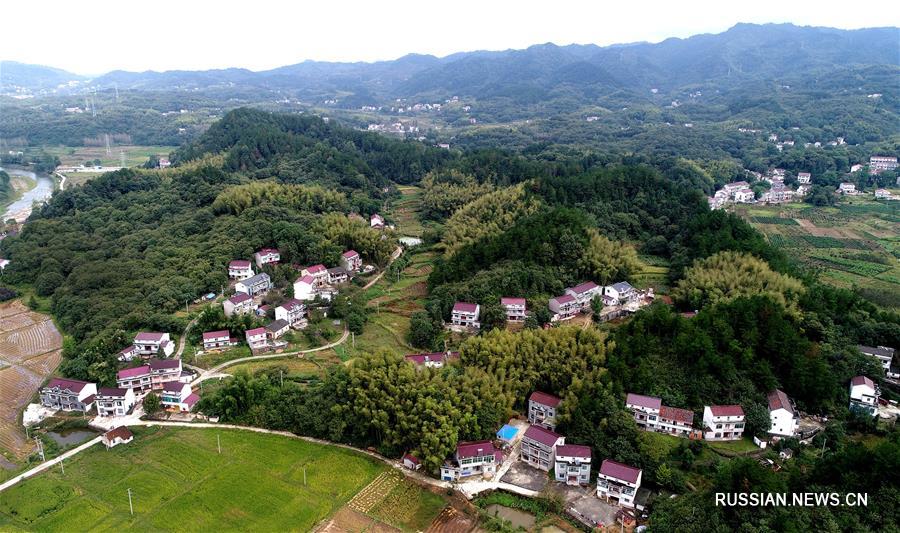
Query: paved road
[47, 464]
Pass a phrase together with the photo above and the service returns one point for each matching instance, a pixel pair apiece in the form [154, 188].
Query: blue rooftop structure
[507, 433]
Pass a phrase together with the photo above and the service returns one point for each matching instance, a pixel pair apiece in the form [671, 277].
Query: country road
[394, 257]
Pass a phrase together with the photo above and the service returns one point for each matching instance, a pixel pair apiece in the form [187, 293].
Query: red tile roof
[255, 331]
[121, 432]
[649, 402]
[545, 399]
[679, 415]
[350, 253]
[542, 435]
[422, 358]
[112, 391]
[411, 458]
[174, 386]
[239, 263]
[564, 299]
[474, 449]
[290, 304]
[620, 471]
[726, 410]
[73, 385]
[308, 279]
[127, 373]
[779, 400]
[464, 307]
[315, 269]
[582, 288]
[862, 380]
[574, 450]
[512, 301]
[266, 251]
[161, 364]
[211, 335]
[239, 297]
[191, 400]
[149, 337]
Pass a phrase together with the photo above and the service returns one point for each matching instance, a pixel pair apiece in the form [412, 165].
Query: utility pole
[130, 506]
[281, 377]
[218, 443]
[63, 466]
[40, 446]
[304, 476]
[353, 339]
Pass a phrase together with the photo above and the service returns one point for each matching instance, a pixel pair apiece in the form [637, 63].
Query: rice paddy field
[855, 244]
[180, 482]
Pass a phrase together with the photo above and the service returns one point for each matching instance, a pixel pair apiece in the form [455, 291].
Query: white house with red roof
[804, 177]
[318, 272]
[68, 394]
[153, 344]
[127, 354]
[216, 340]
[539, 447]
[573, 464]
[178, 397]
[542, 409]
[783, 417]
[584, 293]
[564, 307]
[267, 256]
[432, 360]
[618, 481]
[256, 338]
[465, 315]
[239, 304]
[864, 394]
[240, 269]
[291, 311]
[651, 415]
[119, 435]
[723, 422]
[305, 287]
[137, 378]
[114, 401]
[515, 308]
[163, 371]
[351, 261]
[411, 462]
[376, 221]
[480, 458]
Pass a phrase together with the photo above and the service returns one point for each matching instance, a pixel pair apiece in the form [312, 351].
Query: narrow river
[21, 208]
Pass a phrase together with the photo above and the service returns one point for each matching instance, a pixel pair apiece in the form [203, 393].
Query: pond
[68, 437]
[516, 517]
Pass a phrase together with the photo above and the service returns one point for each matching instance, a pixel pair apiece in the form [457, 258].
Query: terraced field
[30, 350]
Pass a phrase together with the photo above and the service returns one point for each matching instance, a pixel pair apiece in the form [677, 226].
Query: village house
[153, 344]
[163, 371]
[542, 409]
[337, 275]
[723, 422]
[433, 359]
[114, 437]
[778, 193]
[846, 188]
[375, 221]
[137, 378]
[618, 481]
[411, 462]
[239, 304]
[515, 308]
[882, 163]
[164, 162]
[883, 194]
[256, 338]
[621, 293]
[277, 329]
[305, 288]
[256, 285]
[291, 311]
[883, 354]
[351, 261]
[214, 340]
[318, 272]
[262, 311]
[466, 315]
[539, 447]
[731, 188]
[267, 256]
[783, 418]
[178, 397]
[573, 464]
[68, 395]
[651, 415]
[127, 354]
[864, 395]
[479, 458]
[564, 307]
[855, 168]
[584, 293]
[114, 401]
[804, 177]
[802, 190]
[744, 196]
[240, 269]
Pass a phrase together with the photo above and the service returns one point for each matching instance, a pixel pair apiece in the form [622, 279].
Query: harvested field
[30, 350]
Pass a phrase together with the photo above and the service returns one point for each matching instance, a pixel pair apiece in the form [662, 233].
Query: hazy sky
[95, 36]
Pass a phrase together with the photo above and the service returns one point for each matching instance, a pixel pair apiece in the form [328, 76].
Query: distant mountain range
[744, 53]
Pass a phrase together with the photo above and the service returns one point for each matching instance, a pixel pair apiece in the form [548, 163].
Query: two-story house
[163, 371]
[305, 288]
[744, 196]
[291, 311]
[573, 464]
[351, 261]
[883, 354]
[256, 338]
[216, 340]
[465, 315]
[254, 286]
[137, 378]
[783, 418]
[514, 308]
[723, 422]
[240, 269]
[538, 447]
[651, 415]
[318, 272]
[177, 396]
[479, 458]
[622, 292]
[846, 188]
[618, 481]
[804, 177]
[584, 293]
[114, 401]
[127, 354]
[864, 394]
[150, 344]
[542, 409]
[239, 304]
[277, 329]
[337, 275]
[68, 394]
[376, 221]
[882, 163]
[564, 307]
[267, 256]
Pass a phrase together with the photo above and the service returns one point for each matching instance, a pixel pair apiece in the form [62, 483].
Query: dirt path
[394, 257]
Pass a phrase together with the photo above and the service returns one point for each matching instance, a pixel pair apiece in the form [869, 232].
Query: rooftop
[620, 471]
[210, 335]
[464, 307]
[149, 337]
[545, 399]
[779, 400]
[239, 297]
[574, 450]
[512, 301]
[127, 373]
[862, 380]
[542, 435]
[649, 402]
[73, 385]
[475, 449]
[726, 410]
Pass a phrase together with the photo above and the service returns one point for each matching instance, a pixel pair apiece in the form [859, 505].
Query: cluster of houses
[739, 192]
[865, 395]
[544, 449]
[146, 345]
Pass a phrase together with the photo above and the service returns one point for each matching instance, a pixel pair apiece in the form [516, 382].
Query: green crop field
[179, 482]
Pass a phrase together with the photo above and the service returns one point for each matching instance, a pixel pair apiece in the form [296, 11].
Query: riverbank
[29, 187]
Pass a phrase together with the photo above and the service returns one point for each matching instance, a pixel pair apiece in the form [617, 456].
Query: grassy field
[134, 155]
[406, 211]
[855, 244]
[180, 482]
